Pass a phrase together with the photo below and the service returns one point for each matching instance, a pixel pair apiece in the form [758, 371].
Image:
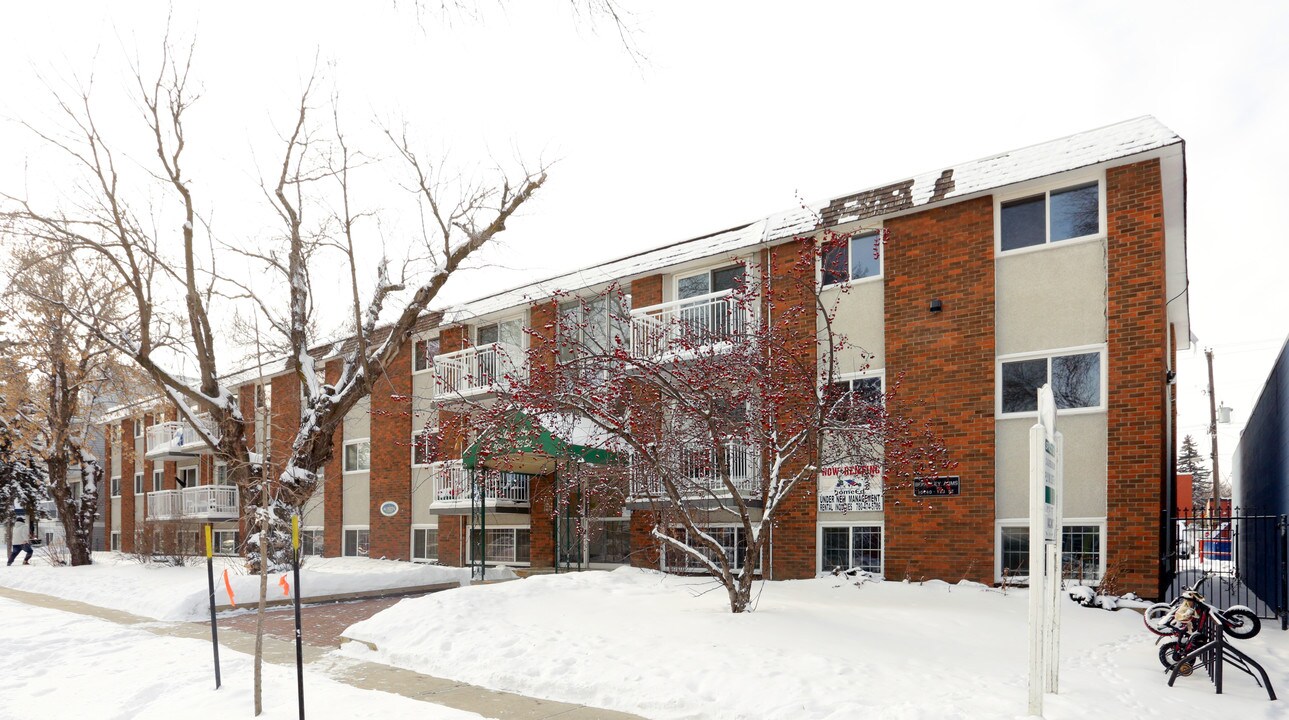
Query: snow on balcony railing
[681, 326]
[179, 436]
[477, 369]
[205, 502]
[451, 486]
[699, 475]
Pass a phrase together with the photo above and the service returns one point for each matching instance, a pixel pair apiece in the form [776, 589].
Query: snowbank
[666, 647]
[181, 593]
[59, 665]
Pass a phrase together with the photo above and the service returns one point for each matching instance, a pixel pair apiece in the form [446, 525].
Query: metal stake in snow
[210, 579]
[1045, 462]
[299, 647]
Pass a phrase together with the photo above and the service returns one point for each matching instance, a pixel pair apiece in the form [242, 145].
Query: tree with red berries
[719, 406]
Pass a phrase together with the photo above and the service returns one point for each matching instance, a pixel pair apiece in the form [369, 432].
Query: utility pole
[1212, 431]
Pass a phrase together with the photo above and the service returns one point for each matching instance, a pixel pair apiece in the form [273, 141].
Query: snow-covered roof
[1105, 144]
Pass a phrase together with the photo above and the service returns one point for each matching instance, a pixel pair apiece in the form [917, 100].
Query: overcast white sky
[739, 107]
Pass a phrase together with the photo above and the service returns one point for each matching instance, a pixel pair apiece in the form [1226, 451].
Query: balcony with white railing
[699, 477]
[682, 327]
[178, 439]
[476, 370]
[205, 502]
[451, 488]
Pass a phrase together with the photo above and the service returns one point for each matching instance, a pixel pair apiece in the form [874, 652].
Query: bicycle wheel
[1155, 618]
[1170, 653]
[1241, 623]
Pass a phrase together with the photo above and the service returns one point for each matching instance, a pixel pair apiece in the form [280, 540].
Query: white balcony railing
[682, 326]
[205, 502]
[451, 486]
[698, 474]
[477, 369]
[178, 437]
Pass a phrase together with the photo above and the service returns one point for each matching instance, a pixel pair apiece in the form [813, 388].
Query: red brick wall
[391, 458]
[644, 547]
[246, 401]
[333, 498]
[127, 485]
[646, 291]
[453, 338]
[284, 419]
[793, 549]
[452, 540]
[541, 493]
[948, 359]
[1138, 343]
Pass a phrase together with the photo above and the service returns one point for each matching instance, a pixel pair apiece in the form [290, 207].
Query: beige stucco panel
[116, 514]
[422, 494]
[358, 420]
[1051, 298]
[357, 499]
[314, 509]
[1085, 466]
[861, 317]
[422, 399]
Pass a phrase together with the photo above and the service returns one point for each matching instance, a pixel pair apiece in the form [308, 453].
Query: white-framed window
[1071, 210]
[425, 544]
[425, 447]
[158, 480]
[848, 545]
[1077, 376]
[357, 456]
[423, 352]
[138, 483]
[116, 542]
[732, 541]
[221, 474]
[860, 389]
[1082, 549]
[188, 477]
[509, 332]
[115, 487]
[711, 280]
[356, 542]
[506, 545]
[855, 257]
[76, 489]
[138, 428]
[226, 542]
[311, 539]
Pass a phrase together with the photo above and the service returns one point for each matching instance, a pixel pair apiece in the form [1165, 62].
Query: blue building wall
[1262, 457]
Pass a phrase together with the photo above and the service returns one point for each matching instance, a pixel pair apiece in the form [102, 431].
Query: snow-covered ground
[181, 593]
[59, 665]
[651, 644]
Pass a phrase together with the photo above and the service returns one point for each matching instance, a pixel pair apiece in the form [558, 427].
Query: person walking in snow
[20, 540]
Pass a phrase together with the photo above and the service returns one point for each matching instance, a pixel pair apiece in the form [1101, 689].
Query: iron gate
[1246, 556]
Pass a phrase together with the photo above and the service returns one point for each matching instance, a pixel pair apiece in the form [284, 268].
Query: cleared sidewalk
[359, 674]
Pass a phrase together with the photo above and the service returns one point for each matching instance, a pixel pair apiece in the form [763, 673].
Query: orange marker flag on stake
[286, 586]
[229, 587]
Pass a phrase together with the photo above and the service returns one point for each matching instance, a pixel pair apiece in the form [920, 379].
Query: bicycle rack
[1216, 653]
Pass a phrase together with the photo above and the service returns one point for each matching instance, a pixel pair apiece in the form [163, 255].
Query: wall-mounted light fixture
[935, 305]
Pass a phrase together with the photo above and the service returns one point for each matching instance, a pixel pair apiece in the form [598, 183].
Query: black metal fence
[1245, 554]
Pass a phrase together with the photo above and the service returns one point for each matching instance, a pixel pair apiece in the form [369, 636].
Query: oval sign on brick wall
[389, 508]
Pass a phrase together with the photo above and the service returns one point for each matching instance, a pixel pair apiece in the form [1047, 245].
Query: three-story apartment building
[1062, 262]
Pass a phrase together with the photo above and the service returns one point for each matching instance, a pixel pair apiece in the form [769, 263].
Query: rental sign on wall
[850, 488]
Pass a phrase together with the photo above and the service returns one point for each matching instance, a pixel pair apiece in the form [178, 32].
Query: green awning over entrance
[523, 444]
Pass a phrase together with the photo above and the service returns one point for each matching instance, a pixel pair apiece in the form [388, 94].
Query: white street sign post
[1045, 470]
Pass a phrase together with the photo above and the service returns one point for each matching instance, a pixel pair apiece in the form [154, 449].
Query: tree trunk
[69, 512]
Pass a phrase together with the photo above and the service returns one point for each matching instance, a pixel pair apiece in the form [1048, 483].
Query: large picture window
[1081, 551]
[1075, 379]
[853, 258]
[851, 546]
[1063, 214]
[357, 456]
[505, 545]
[731, 539]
